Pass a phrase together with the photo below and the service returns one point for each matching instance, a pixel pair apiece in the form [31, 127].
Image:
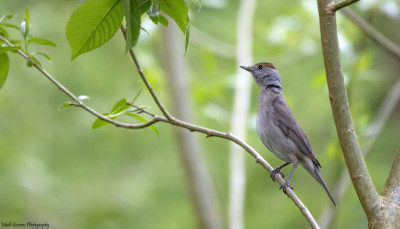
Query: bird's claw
[284, 187]
[276, 171]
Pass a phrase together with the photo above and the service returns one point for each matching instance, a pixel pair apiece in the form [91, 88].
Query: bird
[278, 129]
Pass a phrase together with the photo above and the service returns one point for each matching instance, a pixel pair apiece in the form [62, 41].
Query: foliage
[52, 166]
[96, 22]
[27, 41]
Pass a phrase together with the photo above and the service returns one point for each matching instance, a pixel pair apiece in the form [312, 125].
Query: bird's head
[265, 75]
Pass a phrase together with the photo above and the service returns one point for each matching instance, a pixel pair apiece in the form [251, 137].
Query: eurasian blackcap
[278, 129]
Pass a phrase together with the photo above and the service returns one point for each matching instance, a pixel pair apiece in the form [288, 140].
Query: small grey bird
[278, 129]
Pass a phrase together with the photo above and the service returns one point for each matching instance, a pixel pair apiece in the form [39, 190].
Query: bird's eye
[259, 66]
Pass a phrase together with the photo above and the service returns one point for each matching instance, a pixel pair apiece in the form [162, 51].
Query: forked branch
[176, 122]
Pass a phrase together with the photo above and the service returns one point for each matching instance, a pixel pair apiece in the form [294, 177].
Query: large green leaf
[93, 24]
[177, 10]
[4, 65]
[133, 20]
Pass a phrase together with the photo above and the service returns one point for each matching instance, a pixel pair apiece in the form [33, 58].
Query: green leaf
[41, 41]
[4, 66]
[153, 16]
[93, 24]
[143, 120]
[187, 37]
[64, 106]
[14, 41]
[9, 25]
[153, 12]
[99, 123]
[137, 94]
[133, 21]
[6, 17]
[163, 20]
[177, 10]
[36, 61]
[42, 54]
[4, 33]
[9, 48]
[144, 6]
[119, 106]
[26, 17]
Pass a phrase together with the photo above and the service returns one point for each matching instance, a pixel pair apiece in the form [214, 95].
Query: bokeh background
[55, 169]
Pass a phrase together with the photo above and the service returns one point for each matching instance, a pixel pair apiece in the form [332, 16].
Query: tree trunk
[196, 170]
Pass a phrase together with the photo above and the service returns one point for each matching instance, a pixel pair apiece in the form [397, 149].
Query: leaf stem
[140, 71]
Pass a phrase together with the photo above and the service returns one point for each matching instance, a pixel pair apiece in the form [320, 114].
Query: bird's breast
[272, 137]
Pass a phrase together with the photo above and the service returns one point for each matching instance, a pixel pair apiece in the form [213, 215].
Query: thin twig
[393, 181]
[176, 122]
[140, 71]
[141, 109]
[342, 4]
[374, 34]
[80, 104]
[44, 72]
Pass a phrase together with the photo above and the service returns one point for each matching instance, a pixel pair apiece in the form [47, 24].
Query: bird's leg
[286, 184]
[278, 170]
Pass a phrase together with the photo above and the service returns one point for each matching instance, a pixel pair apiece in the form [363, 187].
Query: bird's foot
[276, 171]
[285, 186]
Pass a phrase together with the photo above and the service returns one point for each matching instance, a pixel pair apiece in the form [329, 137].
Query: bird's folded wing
[286, 122]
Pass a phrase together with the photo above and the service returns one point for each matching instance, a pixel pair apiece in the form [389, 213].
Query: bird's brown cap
[266, 64]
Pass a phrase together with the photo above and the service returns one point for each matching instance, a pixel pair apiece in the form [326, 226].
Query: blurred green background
[55, 169]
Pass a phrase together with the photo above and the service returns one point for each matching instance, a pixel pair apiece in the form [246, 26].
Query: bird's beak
[247, 68]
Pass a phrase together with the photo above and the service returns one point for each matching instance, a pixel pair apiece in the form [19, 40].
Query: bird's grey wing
[286, 122]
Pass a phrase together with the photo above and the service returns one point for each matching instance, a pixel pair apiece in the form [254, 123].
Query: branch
[332, 7]
[141, 110]
[140, 71]
[217, 47]
[389, 103]
[375, 128]
[176, 122]
[372, 33]
[79, 103]
[360, 177]
[392, 187]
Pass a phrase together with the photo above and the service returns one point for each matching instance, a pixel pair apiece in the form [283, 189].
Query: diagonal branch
[372, 33]
[392, 187]
[332, 7]
[140, 71]
[176, 122]
[375, 128]
[79, 103]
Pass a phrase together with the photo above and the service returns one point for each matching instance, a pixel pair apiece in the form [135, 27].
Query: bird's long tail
[317, 176]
